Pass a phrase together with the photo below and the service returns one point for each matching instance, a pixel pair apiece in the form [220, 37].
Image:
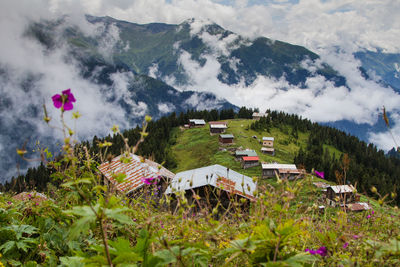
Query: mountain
[125, 70]
[386, 66]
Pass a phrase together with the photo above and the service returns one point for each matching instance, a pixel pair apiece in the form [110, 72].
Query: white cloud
[165, 107]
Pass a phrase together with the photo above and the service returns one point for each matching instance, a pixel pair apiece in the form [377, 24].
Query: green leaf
[7, 246]
[72, 261]
[117, 215]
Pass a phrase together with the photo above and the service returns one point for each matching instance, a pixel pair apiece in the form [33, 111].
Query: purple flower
[356, 236]
[321, 251]
[29, 195]
[149, 180]
[320, 174]
[9, 202]
[369, 216]
[345, 245]
[64, 100]
[37, 204]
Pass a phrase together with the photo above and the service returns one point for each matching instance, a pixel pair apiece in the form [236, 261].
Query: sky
[322, 26]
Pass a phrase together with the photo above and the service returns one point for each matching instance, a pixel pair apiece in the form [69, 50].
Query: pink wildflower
[149, 180]
[345, 245]
[64, 100]
[321, 251]
[356, 236]
[320, 174]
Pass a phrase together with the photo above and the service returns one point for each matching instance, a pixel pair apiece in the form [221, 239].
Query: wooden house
[213, 184]
[197, 123]
[226, 139]
[286, 171]
[268, 150]
[248, 162]
[138, 173]
[257, 115]
[340, 194]
[239, 154]
[268, 141]
[218, 127]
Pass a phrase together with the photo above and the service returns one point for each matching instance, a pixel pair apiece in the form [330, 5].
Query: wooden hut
[287, 171]
[218, 127]
[226, 139]
[248, 162]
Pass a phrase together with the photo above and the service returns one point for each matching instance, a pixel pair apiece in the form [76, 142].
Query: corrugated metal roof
[251, 158]
[218, 122]
[197, 121]
[268, 139]
[249, 153]
[342, 188]
[134, 170]
[270, 149]
[218, 126]
[214, 175]
[226, 136]
[276, 166]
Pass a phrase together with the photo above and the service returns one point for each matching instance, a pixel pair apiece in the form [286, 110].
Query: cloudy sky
[319, 25]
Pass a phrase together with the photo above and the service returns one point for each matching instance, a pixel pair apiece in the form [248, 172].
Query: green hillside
[196, 148]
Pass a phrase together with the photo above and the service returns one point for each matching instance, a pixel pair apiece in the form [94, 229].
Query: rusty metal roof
[251, 158]
[214, 175]
[358, 206]
[136, 169]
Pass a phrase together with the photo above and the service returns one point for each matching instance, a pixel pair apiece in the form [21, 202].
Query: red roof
[251, 158]
[134, 171]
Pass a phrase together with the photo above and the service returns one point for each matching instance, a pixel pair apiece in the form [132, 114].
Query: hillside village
[140, 171]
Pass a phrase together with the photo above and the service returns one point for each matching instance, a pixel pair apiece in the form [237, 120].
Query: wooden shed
[286, 171]
[268, 141]
[226, 139]
[340, 194]
[268, 150]
[257, 115]
[197, 123]
[248, 162]
[218, 127]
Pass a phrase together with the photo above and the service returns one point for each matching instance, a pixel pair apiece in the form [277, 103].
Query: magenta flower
[321, 251]
[356, 236]
[9, 202]
[64, 100]
[345, 245]
[369, 216]
[149, 180]
[320, 174]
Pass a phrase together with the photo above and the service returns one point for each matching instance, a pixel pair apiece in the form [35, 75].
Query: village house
[257, 115]
[218, 127]
[268, 141]
[248, 162]
[138, 172]
[197, 123]
[268, 150]
[340, 194]
[226, 139]
[212, 184]
[286, 171]
[239, 154]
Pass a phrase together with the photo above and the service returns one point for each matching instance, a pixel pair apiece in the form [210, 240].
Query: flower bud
[374, 190]
[147, 118]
